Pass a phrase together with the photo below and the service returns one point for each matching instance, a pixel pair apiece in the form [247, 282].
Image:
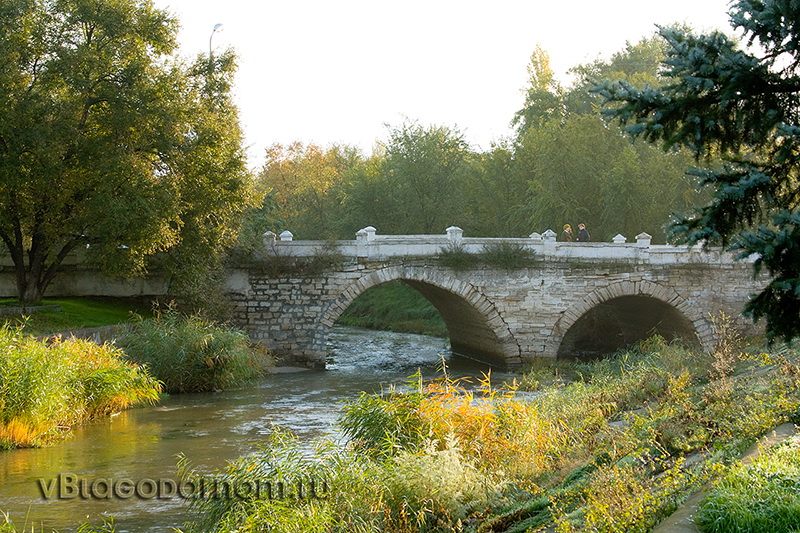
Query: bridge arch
[624, 312]
[475, 326]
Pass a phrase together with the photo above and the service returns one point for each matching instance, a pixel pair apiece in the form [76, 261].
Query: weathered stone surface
[569, 295]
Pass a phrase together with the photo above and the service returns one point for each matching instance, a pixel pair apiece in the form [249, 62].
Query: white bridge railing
[370, 246]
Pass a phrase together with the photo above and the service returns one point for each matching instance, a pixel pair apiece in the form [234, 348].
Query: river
[209, 429]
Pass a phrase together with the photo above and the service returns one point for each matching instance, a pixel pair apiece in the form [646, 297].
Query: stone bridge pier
[568, 300]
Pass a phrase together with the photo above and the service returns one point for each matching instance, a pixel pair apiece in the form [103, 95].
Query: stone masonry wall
[506, 317]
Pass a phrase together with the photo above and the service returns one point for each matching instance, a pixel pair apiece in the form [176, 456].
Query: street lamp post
[217, 27]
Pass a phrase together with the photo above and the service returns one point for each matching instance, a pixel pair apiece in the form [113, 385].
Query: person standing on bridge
[566, 235]
[583, 234]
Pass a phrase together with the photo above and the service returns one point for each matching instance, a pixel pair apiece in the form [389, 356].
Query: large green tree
[495, 193]
[583, 171]
[306, 182]
[108, 143]
[417, 184]
[744, 105]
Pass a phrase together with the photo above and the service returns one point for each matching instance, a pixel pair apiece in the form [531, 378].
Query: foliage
[762, 497]
[109, 144]
[456, 257]
[495, 191]
[394, 306]
[544, 96]
[192, 354]
[381, 425]
[624, 499]
[419, 179]
[305, 183]
[430, 491]
[46, 389]
[639, 64]
[506, 255]
[727, 101]
[215, 186]
[502, 255]
[582, 171]
[323, 259]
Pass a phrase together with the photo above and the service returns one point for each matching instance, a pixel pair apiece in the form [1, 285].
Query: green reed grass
[45, 389]
[192, 354]
[426, 491]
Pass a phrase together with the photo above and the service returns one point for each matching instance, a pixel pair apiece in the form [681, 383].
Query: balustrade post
[643, 240]
[454, 235]
[362, 243]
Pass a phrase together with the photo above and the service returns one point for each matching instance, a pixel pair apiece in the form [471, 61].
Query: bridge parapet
[370, 246]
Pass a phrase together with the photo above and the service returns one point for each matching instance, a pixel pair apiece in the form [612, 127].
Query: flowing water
[209, 429]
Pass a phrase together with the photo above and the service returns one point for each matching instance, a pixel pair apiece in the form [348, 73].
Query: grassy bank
[74, 313]
[46, 389]
[185, 353]
[609, 446]
[762, 497]
[394, 306]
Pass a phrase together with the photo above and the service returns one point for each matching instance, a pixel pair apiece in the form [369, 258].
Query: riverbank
[614, 445]
[394, 306]
[209, 429]
[57, 369]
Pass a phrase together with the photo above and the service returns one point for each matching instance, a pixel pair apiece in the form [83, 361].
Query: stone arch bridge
[569, 299]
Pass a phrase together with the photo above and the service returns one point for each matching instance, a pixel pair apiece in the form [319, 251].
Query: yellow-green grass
[48, 388]
[616, 447]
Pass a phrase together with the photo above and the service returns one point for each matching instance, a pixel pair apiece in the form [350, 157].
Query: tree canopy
[742, 105]
[108, 142]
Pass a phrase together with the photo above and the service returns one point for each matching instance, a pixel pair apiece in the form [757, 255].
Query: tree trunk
[29, 293]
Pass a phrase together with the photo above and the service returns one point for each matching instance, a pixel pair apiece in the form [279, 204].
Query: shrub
[502, 255]
[192, 354]
[324, 259]
[456, 257]
[506, 255]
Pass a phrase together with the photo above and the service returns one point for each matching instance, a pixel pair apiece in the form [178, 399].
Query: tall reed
[192, 354]
[45, 389]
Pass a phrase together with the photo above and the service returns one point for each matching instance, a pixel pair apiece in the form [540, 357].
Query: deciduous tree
[422, 174]
[107, 142]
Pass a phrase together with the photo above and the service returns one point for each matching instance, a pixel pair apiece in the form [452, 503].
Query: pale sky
[338, 71]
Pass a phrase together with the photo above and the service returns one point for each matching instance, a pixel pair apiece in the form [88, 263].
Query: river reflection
[210, 430]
